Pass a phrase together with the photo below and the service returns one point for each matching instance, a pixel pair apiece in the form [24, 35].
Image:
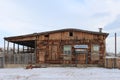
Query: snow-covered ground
[56, 73]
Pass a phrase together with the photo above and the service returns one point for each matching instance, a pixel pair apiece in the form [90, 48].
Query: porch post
[18, 60]
[23, 48]
[18, 49]
[8, 52]
[13, 48]
[8, 47]
[31, 55]
[36, 60]
[4, 54]
[14, 53]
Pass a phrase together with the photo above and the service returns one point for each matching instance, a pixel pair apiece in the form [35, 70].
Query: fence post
[115, 50]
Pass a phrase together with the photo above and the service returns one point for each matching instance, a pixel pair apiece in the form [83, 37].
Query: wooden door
[42, 57]
[53, 55]
[54, 52]
[81, 56]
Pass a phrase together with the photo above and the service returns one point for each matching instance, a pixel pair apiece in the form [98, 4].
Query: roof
[61, 30]
[31, 42]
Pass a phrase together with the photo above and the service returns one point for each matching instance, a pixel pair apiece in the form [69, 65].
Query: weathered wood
[8, 47]
[49, 46]
[18, 51]
[23, 49]
[84, 39]
[109, 62]
[118, 63]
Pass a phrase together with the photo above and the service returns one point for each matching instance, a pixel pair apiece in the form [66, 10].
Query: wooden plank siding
[50, 46]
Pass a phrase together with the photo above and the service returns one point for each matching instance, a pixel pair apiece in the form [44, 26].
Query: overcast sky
[19, 17]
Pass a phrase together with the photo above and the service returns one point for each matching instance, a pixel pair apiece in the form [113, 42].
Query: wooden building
[65, 46]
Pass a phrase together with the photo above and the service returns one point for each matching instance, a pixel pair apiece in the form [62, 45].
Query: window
[70, 33]
[67, 49]
[46, 35]
[96, 48]
[95, 52]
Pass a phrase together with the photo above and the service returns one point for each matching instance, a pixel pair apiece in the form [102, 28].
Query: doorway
[67, 54]
[81, 54]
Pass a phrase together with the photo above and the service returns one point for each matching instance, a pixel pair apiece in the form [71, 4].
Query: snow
[111, 57]
[57, 73]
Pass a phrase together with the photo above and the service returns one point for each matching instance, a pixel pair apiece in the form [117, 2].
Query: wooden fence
[112, 62]
[21, 58]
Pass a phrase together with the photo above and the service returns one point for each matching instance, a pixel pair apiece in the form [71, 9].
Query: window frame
[96, 48]
[69, 51]
[95, 56]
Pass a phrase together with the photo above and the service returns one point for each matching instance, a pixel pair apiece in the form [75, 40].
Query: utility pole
[115, 50]
[115, 44]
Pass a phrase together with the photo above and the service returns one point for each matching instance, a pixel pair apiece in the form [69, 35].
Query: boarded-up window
[95, 52]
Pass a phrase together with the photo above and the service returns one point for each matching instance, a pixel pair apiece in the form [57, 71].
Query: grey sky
[19, 17]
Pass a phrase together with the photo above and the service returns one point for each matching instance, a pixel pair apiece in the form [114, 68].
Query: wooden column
[8, 52]
[18, 61]
[36, 53]
[18, 49]
[31, 49]
[26, 55]
[13, 48]
[28, 49]
[22, 55]
[8, 47]
[23, 49]
[4, 46]
[4, 54]
[14, 53]
[31, 55]
[35, 50]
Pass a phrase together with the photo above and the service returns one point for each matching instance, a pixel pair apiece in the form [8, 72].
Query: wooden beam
[14, 53]
[13, 48]
[18, 49]
[4, 46]
[8, 47]
[23, 49]
[27, 49]
[4, 53]
[36, 60]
